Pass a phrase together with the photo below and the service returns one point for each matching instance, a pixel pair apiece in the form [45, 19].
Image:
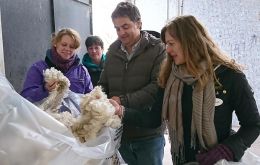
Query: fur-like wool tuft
[58, 93]
[53, 102]
[96, 110]
[96, 113]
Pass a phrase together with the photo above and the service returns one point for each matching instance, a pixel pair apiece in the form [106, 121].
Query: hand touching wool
[96, 113]
[59, 86]
[58, 90]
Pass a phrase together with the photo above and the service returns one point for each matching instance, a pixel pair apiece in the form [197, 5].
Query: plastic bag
[70, 103]
[30, 136]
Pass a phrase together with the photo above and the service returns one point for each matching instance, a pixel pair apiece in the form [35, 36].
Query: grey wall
[235, 26]
[27, 26]
[75, 14]
[2, 68]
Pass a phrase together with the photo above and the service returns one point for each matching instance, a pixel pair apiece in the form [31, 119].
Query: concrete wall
[26, 29]
[75, 14]
[2, 64]
[235, 25]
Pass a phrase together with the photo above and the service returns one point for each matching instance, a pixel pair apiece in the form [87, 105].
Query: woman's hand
[214, 155]
[50, 86]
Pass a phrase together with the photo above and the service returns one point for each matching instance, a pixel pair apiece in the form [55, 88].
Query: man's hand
[117, 99]
[119, 110]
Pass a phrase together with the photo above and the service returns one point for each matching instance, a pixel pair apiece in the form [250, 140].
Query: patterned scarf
[202, 123]
[59, 62]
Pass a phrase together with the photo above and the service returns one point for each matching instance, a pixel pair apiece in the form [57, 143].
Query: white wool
[53, 102]
[65, 117]
[96, 112]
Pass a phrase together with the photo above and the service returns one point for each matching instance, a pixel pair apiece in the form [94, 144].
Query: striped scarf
[202, 124]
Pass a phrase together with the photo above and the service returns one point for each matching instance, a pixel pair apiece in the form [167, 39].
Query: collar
[134, 48]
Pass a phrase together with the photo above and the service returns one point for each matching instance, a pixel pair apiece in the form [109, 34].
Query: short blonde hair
[66, 31]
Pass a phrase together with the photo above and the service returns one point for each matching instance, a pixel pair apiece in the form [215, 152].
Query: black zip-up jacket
[237, 96]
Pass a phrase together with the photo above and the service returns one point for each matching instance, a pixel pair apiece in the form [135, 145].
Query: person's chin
[66, 57]
[124, 40]
[179, 63]
[176, 62]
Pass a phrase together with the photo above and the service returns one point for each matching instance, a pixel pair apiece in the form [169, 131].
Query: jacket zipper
[126, 64]
[124, 78]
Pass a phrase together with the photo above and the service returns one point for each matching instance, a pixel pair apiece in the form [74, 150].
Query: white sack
[30, 136]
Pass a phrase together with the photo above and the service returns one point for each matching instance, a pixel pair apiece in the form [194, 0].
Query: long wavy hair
[197, 46]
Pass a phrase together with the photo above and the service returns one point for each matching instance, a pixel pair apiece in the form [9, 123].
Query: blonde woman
[63, 57]
[203, 87]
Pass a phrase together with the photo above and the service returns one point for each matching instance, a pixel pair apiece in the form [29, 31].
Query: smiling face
[65, 47]
[128, 32]
[95, 52]
[174, 49]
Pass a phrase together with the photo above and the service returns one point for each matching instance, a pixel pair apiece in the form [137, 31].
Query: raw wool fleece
[96, 113]
[96, 110]
[53, 102]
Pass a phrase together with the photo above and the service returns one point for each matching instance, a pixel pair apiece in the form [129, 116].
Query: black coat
[237, 96]
[147, 120]
[234, 95]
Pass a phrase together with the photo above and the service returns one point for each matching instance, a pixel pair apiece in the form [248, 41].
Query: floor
[167, 160]
[255, 148]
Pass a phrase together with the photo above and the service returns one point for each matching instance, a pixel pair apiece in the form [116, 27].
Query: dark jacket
[139, 118]
[134, 81]
[237, 96]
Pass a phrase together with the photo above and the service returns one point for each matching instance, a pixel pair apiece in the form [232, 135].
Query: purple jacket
[33, 88]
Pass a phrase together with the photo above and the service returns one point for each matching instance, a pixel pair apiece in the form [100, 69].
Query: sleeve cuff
[123, 100]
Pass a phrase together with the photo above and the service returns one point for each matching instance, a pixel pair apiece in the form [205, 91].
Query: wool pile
[96, 110]
[53, 102]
